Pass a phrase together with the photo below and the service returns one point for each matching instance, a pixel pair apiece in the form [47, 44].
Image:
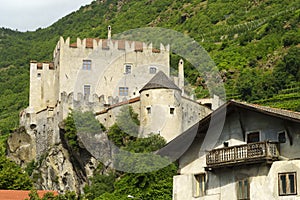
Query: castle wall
[192, 112]
[108, 117]
[107, 71]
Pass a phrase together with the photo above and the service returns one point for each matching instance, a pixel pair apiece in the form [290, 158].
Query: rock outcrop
[56, 165]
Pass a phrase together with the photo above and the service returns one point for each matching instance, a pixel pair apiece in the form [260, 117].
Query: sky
[29, 15]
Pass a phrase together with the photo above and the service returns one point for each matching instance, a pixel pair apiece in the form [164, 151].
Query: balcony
[243, 154]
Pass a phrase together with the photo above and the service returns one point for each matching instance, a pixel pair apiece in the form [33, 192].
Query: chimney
[109, 32]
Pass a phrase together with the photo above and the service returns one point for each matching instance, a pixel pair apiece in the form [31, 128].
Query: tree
[156, 184]
[292, 62]
[12, 176]
[101, 183]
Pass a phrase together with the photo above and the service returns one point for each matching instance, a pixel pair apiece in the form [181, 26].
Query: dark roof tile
[160, 80]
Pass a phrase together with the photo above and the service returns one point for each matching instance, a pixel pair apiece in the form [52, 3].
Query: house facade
[240, 151]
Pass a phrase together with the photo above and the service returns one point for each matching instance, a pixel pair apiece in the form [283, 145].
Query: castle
[102, 75]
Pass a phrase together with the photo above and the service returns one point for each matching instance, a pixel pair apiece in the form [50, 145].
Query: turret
[181, 75]
[109, 32]
[161, 111]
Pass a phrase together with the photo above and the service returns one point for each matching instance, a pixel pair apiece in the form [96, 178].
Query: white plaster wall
[42, 88]
[160, 121]
[222, 184]
[182, 187]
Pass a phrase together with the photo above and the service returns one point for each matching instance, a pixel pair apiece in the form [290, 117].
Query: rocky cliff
[55, 167]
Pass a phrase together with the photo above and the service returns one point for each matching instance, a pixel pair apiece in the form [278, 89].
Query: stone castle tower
[161, 107]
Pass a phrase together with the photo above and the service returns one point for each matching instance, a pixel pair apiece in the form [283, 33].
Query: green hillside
[255, 44]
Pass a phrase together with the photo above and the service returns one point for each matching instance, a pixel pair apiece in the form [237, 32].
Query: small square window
[152, 70]
[253, 137]
[39, 75]
[87, 65]
[128, 68]
[172, 110]
[281, 137]
[199, 185]
[287, 183]
[123, 91]
[148, 110]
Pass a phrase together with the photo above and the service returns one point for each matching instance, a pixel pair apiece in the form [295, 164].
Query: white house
[240, 151]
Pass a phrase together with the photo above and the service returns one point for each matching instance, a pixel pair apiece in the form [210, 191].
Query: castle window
[152, 70]
[123, 91]
[287, 184]
[172, 111]
[148, 110]
[86, 90]
[243, 190]
[199, 185]
[127, 68]
[39, 75]
[87, 65]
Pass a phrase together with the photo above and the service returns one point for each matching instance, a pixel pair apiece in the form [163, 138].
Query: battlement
[95, 101]
[44, 65]
[109, 44]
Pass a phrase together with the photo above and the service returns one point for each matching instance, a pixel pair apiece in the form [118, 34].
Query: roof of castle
[160, 80]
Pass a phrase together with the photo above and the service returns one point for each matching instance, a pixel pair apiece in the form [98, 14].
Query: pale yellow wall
[42, 87]
[160, 121]
[107, 72]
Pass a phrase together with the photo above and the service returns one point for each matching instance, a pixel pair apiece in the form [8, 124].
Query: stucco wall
[107, 72]
[160, 120]
[222, 183]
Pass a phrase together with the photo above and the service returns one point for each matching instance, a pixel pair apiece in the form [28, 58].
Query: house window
[86, 90]
[152, 70]
[148, 110]
[253, 137]
[287, 184]
[243, 190]
[127, 68]
[123, 91]
[172, 111]
[199, 185]
[281, 137]
[87, 65]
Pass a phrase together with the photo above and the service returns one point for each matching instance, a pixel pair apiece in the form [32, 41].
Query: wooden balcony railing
[243, 154]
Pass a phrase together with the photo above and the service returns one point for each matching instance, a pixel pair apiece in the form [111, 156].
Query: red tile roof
[21, 194]
[40, 65]
[120, 43]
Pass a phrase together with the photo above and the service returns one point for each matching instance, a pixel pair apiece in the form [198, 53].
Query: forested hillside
[255, 44]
